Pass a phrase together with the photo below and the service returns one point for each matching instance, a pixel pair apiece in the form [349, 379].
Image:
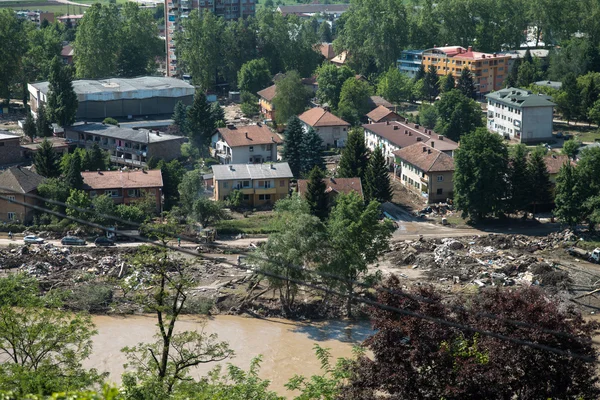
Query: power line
[332, 291]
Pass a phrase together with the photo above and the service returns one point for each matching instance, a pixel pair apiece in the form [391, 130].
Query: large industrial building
[121, 98]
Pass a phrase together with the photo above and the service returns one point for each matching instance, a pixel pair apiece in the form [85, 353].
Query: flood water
[286, 346]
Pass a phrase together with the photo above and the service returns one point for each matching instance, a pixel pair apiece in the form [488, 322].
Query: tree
[292, 145]
[73, 176]
[457, 115]
[356, 239]
[479, 174]
[315, 194]
[62, 101]
[539, 179]
[290, 97]
[394, 86]
[354, 100]
[15, 44]
[420, 75]
[569, 100]
[180, 115]
[450, 362]
[29, 128]
[519, 179]
[377, 184]
[172, 173]
[254, 76]
[311, 151]
[97, 42]
[325, 34]
[200, 122]
[165, 364]
[330, 80]
[570, 148]
[43, 128]
[207, 212]
[249, 106]
[190, 189]
[428, 116]
[217, 114]
[447, 83]
[354, 160]
[46, 160]
[104, 205]
[568, 196]
[589, 96]
[43, 46]
[78, 201]
[431, 84]
[54, 189]
[593, 114]
[465, 84]
[97, 160]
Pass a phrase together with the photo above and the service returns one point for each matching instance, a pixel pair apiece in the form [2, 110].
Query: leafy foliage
[290, 97]
[62, 101]
[254, 76]
[354, 100]
[292, 145]
[457, 115]
[29, 128]
[330, 80]
[315, 194]
[311, 151]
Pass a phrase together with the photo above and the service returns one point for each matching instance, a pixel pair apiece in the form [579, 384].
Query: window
[1, 144]
[264, 197]
[251, 148]
[246, 184]
[133, 193]
[11, 198]
[269, 147]
[225, 185]
[112, 193]
[282, 183]
[93, 194]
[439, 191]
[11, 216]
[440, 178]
[246, 197]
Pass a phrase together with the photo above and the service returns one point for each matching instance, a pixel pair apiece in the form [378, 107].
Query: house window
[112, 193]
[281, 183]
[440, 178]
[11, 216]
[246, 197]
[225, 185]
[11, 198]
[439, 191]
[246, 184]
[264, 197]
[251, 148]
[133, 193]
[269, 147]
[93, 194]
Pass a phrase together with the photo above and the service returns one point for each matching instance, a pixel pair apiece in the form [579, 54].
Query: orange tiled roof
[122, 179]
[339, 185]
[248, 135]
[426, 158]
[320, 117]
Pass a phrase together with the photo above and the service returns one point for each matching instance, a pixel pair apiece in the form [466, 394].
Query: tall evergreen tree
[448, 83]
[354, 160]
[519, 179]
[325, 32]
[292, 145]
[97, 159]
[73, 177]
[315, 194]
[568, 199]
[62, 100]
[377, 184]
[466, 84]
[539, 179]
[200, 122]
[569, 100]
[431, 84]
[589, 96]
[29, 128]
[312, 151]
[43, 127]
[420, 73]
[46, 160]
[217, 113]
[180, 115]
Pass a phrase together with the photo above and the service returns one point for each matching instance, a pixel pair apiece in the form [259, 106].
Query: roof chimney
[272, 139]
[246, 135]
[424, 149]
[483, 56]
[432, 143]
[440, 137]
[387, 122]
[272, 166]
[470, 48]
[230, 167]
[419, 139]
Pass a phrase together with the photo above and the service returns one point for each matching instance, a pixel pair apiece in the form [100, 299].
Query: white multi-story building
[519, 114]
[249, 144]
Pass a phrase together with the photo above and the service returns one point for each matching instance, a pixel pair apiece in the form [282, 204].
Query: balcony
[127, 161]
[263, 190]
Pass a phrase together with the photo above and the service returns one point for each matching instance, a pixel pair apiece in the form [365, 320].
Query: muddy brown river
[286, 346]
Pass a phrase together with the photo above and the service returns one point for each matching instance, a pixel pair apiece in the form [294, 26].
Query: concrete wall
[332, 136]
[166, 150]
[10, 151]
[536, 124]
[529, 124]
[23, 214]
[420, 182]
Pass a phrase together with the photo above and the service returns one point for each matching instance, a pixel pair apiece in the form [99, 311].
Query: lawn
[253, 224]
[583, 133]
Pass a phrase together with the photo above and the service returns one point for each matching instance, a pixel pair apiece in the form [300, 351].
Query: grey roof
[117, 132]
[520, 98]
[313, 8]
[551, 84]
[124, 88]
[4, 135]
[251, 171]
[540, 53]
[19, 180]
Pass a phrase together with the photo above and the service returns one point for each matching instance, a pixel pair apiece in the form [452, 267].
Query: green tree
[46, 160]
[207, 212]
[480, 166]
[315, 194]
[29, 128]
[569, 99]
[325, 34]
[568, 196]
[14, 41]
[356, 239]
[290, 97]
[394, 86]
[43, 46]
[330, 80]
[200, 123]
[254, 76]
[428, 116]
[172, 173]
[539, 184]
[354, 160]
[431, 84]
[589, 96]
[420, 75]
[466, 84]
[190, 189]
[43, 127]
[217, 114]
[377, 184]
[311, 151]
[527, 74]
[293, 138]
[249, 106]
[97, 159]
[62, 101]
[77, 201]
[519, 179]
[180, 115]
[54, 189]
[104, 205]
[354, 100]
[458, 115]
[571, 147]
[97, 42]
[447, 83]
[73, 176]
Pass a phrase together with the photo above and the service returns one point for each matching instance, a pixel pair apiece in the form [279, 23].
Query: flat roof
[6, 135]
[251, 171]
[116, 132]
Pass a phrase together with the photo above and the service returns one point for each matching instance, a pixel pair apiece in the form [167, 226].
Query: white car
[33, 239]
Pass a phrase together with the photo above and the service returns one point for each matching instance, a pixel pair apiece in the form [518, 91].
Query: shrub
[110, 121]
[91, 297]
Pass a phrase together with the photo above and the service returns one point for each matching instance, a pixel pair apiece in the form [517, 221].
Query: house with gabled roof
[333, 187]
[332, 130]
[243, 144]
[18, 184]
[383, 114]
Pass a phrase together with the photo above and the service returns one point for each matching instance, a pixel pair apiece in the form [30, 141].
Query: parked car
[32, 239]
[72, 241]
[103, 241]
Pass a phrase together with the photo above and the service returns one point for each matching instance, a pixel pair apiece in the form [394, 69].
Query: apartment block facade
[176, 11]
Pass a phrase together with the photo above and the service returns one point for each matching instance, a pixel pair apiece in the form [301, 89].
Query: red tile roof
[426, 158]
[555, 161]
[380, 113]
[338, 185]
[248, 135]
[268, 94]
[122, 179]
[320, 117]
[327, 50]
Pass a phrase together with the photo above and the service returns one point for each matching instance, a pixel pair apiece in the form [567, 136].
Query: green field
[254, 224]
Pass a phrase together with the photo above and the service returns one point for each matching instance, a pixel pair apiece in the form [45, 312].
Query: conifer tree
[420, 73]
[292, 145]
[73, 177]
[200, 122]
[315, 194]
[353, 162]
[312, 151]
[180, 114]
[43, 127]
[466, 84]
[377, 184]
[431, 84]
[519, 179]
[96, 158]
[568, 197]
[46, 160]
[539, 179]
[29, 126]
[448, 83]
[62, 100]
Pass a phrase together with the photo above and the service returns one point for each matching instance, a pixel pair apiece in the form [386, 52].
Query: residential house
[74, 19]
[327, 51]
[377, 101]
[554, 162]
[332, 130]
[519, 114]
[394, 135]
[127, 146]
[37, 17]
[18, 184]
[125, 186]
[549, 84]
[333, 187]
[66, 54]
[383, 114]
[59, 145]
[340, 59]
[10, 150]
[520, 54]
[260, 184]
[410, 62]
[265, 101]
[245, 144]
[426, 171]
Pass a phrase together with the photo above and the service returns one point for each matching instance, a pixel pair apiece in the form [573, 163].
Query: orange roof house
[332, 130]
[383, 114]
[245, 144]
[333, 187]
